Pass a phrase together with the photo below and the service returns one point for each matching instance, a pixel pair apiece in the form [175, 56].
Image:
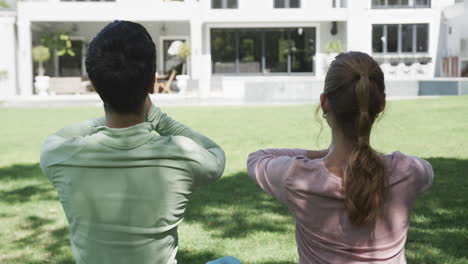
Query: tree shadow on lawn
[51, 244]
[439, 220]
[18, 172]
[235, 207]
[25, 191]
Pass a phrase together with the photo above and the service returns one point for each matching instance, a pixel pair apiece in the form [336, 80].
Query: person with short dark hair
[123, 187]
[351, 203]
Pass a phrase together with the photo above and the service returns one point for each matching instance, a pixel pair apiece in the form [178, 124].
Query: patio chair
[165, 87]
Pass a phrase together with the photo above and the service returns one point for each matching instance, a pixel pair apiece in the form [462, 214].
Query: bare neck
[338, 154]
[115, 120]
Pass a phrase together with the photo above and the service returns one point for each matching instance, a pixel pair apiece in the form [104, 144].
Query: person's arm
[211, 157]
[60, 145]
[317, 154]
[166, 126]
[310, 154]
[424, 174]
[269, 168]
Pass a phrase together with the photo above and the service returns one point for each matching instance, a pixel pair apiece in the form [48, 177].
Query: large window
[257, 51]
[400, 38]
[401, 3]
[339, 3]
[422, 37]
[287, 3]
[224, 51]
[222, 4]
[250, 51]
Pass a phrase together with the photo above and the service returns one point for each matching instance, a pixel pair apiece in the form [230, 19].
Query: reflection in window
[422, 37]
[276, 50]
[392, 38]
[422, 3]
[223, 45]
[400, 38]
[377, 38]
[273, 50]
[231, 4]
[378, 3]
[401, 4]
[287, 3]
[302, 49]
[72, 66]
[220, 4]
[407, 38]
[250, 51]
[294, 3]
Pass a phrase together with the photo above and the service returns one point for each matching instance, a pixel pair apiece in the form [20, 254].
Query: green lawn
[233, 217]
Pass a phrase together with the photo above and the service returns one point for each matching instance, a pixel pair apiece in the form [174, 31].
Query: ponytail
[364, 176]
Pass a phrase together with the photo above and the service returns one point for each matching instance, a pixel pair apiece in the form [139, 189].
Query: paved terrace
[160, 99]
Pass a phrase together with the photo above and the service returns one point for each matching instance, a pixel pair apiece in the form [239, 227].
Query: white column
[199, 66]
[25, 64]
[196, 46]
[8, 61]
[358, 26]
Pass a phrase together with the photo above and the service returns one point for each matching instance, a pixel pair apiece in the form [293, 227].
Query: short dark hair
[121, 64]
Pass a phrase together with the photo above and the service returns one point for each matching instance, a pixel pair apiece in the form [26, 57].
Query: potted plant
[332, 49]
[3, 4]
[181, 50]
[40, 55]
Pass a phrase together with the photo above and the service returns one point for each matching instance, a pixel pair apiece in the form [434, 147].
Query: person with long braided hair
[351, 203]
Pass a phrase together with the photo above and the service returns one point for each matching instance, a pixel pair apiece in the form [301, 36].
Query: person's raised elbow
[217, 169]
[252, 163]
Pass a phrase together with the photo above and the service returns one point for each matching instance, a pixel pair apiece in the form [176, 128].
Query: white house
[242, 48]
[454, 34]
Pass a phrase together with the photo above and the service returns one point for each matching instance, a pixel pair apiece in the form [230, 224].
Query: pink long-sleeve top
[324, 233]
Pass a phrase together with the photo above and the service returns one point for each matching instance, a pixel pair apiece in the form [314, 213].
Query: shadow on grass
[235, 207]
[30, 184]
[439, 227]
[195, 257]
[27, 194]
[20, 172]
[53, 241]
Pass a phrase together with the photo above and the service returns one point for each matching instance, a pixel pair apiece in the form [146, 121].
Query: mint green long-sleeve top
[125, 191]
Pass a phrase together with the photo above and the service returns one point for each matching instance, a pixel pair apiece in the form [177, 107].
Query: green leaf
[61, 52]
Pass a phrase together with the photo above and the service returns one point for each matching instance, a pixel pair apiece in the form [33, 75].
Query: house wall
[194, 18]
[7, 55]
[248, 11]
[453, 35]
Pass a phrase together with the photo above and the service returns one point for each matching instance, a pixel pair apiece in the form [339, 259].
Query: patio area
[59, 53]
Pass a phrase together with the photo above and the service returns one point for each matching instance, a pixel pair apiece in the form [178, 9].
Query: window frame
[400, 39]
[287, 5]
[224, 4]
[263, 62]
[411, 4]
